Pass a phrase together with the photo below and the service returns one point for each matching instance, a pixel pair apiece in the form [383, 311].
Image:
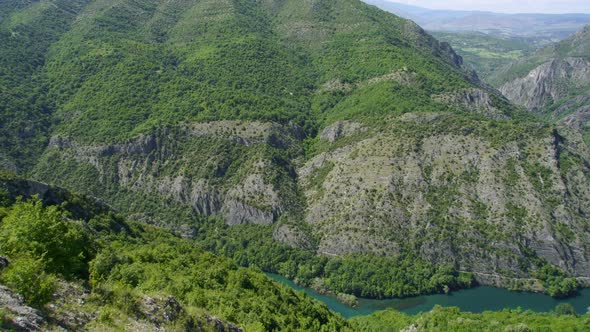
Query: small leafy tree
[563, 309]
[26, 276]
[44, 233]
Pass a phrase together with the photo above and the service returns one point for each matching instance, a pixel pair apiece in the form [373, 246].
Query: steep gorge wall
[229, 169]
[479, 203]
[462, 192]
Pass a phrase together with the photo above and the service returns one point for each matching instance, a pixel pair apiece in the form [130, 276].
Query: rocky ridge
[548, 83]
[455, 198]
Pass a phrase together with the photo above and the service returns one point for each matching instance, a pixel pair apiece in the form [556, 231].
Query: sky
[506, 6]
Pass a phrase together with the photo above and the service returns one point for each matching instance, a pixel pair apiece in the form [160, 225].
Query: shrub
[27, 277]
[30, 229]
[563, 309]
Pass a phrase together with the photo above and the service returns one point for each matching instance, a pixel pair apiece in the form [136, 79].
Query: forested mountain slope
[335, 128]
[554, 82]
[87, 268]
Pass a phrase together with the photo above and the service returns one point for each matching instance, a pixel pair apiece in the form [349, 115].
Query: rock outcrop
[474, 100]
[3, 263]
[218, 168]
[20, 317]
[548, 83]
[454, 197]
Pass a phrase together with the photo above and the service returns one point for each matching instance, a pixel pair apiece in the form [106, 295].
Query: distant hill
[486, 53]
[540, 27]
[553, 82]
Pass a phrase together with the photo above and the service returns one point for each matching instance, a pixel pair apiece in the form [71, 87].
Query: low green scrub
[125, 262]
[366, 276]
[452, 319]
[556, 282]
[27, 276]
[29, 229]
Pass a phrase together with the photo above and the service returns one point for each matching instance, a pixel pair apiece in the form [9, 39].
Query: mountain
[538, 27]
[329, 141]
[553, 82]
[68, 262]
[490, 41]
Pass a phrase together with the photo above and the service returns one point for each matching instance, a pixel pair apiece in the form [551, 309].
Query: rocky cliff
[549, 83]
[229, 169]
[554, 82]
[482, 197]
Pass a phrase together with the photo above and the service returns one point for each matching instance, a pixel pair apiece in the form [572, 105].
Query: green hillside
[326, 140]
[27, 31]
[110, 274]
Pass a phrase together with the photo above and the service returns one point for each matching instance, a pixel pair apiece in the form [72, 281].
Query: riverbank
[476, 300]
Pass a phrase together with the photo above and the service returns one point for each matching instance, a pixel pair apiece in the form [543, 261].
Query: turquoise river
[474, 300]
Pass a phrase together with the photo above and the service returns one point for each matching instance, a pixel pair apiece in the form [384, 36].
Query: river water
[474, 300]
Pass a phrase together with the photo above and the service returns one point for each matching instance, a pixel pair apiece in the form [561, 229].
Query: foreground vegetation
[452, 319]
[124, 264]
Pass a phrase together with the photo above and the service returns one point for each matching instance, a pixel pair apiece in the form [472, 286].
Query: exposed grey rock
[161, 311]
[3, 262]
[548, 82]
[144, 165]
[237, 212]
[378, 196]
[292, 236]
[475, 100]
[221, 326]
[20, 316]
[580, 117]
[341, 129]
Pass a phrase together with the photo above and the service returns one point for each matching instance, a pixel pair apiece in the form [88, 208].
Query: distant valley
[539, 29]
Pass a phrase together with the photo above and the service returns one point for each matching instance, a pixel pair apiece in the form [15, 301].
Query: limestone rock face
[464, 193]
[21, 317]
[341, 129]
[218, 168]
[474, 100]
[548, 83]
[456, 198]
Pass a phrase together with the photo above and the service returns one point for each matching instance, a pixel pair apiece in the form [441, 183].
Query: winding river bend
[474, 300]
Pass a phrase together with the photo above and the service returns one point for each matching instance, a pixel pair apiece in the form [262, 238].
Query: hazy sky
[506, 6]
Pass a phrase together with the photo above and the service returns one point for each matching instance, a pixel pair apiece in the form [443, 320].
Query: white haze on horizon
[506, 6]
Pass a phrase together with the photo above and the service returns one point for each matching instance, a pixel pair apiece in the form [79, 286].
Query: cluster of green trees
[25, 110]
[124, 262]
[563, 318]
[366, 276]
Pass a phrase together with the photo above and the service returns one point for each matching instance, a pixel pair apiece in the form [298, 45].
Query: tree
[565, 309]
[29, 229]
